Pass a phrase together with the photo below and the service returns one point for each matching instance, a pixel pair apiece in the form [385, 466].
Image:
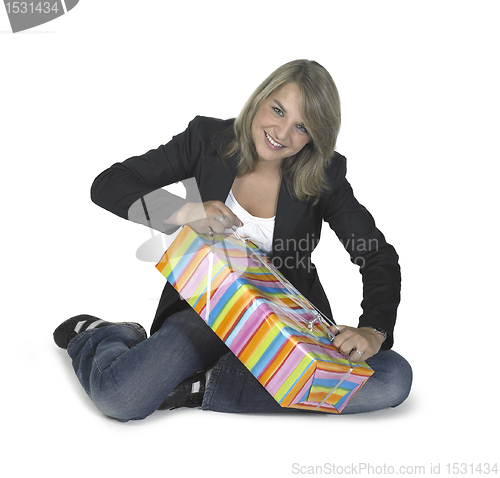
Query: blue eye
[277, 111]
[302, 128]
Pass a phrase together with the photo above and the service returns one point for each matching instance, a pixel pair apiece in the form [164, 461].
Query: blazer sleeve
[367, 247]
[132, 189]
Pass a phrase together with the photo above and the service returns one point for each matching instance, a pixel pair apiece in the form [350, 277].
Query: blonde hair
[320, 107]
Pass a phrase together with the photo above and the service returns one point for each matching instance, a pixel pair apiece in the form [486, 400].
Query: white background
[420, 97]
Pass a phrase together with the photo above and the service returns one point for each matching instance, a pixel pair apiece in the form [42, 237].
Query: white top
[259, 230]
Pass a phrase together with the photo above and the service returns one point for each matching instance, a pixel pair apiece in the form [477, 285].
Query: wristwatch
[380, 331]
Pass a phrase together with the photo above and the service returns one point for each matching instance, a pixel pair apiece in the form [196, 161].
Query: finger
[228, 218]
[201, 226]
[205, 228]
[342, 337]
[225, 221]
[216, 223]
[357, 355]
[336, 329]
[222, 218]
[347, 346]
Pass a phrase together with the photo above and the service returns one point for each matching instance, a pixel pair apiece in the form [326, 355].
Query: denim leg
[388, 387]
[232, 388]
[128, 376]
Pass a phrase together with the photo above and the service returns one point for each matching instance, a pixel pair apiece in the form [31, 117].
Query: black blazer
[196, 153]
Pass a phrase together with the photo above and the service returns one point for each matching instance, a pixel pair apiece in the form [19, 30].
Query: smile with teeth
[272, 142]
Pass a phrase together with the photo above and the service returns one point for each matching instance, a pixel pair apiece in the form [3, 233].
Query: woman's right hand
[206, 218]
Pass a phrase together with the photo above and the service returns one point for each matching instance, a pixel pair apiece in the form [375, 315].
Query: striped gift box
[266, 323]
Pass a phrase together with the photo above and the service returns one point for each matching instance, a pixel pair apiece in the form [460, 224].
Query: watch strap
[380, 331]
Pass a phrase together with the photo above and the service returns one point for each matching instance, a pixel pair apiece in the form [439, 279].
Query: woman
[274, 174]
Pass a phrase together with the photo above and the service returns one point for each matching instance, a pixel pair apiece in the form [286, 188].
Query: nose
[283, 130]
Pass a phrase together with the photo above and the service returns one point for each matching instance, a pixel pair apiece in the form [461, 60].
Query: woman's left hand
[359, 343]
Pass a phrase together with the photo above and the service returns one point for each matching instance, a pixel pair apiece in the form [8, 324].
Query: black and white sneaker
[188, 393]
[72, 327]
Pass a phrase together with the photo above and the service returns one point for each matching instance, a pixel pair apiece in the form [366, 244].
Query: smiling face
[278, 130]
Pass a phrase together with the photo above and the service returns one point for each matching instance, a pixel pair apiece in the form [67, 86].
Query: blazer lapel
[217, 182]
[216, 179]
[289, 213]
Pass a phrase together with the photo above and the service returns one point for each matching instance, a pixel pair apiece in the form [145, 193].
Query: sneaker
[70, 328]
[188, 393]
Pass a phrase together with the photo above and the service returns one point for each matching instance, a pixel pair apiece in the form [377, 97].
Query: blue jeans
[128, 376]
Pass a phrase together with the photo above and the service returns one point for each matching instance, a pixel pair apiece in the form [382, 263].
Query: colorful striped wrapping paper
[261, 321]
